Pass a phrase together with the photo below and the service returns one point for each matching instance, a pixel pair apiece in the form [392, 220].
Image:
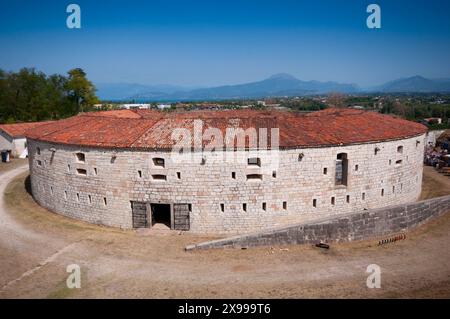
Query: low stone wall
[349, 227]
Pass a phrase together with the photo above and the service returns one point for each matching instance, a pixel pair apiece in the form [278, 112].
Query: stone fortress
[116, 168]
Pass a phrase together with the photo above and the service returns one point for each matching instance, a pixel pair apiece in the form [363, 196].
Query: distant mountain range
[278, 85]
[120, 91]
[417, 84]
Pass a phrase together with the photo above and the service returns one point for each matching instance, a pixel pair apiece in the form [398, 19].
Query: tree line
[417, 110]
[29, 95]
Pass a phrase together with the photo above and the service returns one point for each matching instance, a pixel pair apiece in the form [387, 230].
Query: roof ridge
[135, 112]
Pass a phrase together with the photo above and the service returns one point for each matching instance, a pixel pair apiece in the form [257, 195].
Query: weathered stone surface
[332, 230]
[115, 177]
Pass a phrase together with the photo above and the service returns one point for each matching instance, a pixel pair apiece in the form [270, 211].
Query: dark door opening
[161, 214]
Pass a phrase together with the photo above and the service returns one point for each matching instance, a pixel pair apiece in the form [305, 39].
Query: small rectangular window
[356, 168]
[80, 157]
[104, 201]
[68, 168]
[314, 202]
[78, 197]
[341, 171]
[65, 194]
[158, 161]
[348, 198]
[244, 207]
[254, 161]
[332, 200]
[179, 175]
[39, 163]
[81, 171]
[95, 170]
[159, 177]
[399, 162]
[51, 190]
[264, 206]
[399, 149]
[363, 196]
[393, 189]
[140, 174]
[284, 205]
[325, 171]
[90, 199]
[254, 177]
[222, 207]
[382, 192]
[274, 174]
[190, 208]
[233, 175]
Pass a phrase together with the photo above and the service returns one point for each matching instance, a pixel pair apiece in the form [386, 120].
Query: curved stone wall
[368, 225]
[99, 186]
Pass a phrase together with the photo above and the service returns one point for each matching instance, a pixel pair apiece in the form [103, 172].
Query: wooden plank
[181, 216]
[139, 214]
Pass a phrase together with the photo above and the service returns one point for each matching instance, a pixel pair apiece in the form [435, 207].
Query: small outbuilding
[444, 140]
[12, 136]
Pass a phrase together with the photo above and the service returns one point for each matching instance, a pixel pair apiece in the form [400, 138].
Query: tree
[400, 109]
[4, 93]
[336, 100]
[26, 95]
[30, 95]
[59, 104]
[80, 90]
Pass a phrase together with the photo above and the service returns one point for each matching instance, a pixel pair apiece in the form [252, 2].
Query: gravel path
[17, 240]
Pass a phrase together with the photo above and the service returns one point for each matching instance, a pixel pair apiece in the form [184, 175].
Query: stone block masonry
[96, 166]
[98, 185]
[348, 227]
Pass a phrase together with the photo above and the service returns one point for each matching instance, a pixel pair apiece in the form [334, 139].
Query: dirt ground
[434, 184]
[36, 246]
[15, 162]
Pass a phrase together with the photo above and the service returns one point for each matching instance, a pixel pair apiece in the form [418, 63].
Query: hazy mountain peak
[282, 76]
[416, 83]
[281, 84]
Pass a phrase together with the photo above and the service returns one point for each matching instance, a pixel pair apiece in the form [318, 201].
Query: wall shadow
[28, 185]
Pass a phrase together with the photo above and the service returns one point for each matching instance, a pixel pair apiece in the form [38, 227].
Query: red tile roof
[18, 129]
[149, 129]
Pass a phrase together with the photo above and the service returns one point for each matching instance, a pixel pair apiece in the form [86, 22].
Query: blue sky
[207, 43]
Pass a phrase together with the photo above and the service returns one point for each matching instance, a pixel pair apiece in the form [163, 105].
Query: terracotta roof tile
[19, 129]
[143, 129]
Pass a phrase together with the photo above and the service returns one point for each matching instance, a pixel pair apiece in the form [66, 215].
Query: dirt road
[36, 246]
